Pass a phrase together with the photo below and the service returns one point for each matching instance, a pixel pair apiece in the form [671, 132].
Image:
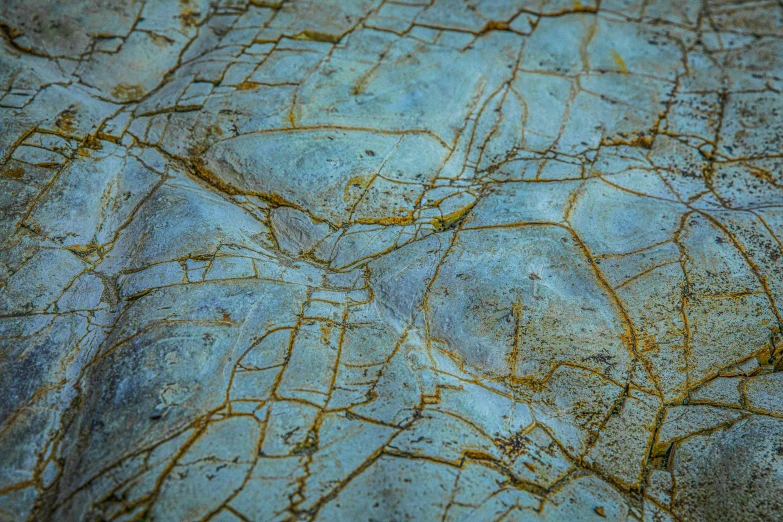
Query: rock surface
[391, 260]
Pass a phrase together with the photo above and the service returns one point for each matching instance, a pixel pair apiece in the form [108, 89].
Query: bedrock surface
[393, 260]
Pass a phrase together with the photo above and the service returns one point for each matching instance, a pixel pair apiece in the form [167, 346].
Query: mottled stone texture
[402, 260]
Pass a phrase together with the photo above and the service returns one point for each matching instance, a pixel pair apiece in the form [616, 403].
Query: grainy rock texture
[371, 260]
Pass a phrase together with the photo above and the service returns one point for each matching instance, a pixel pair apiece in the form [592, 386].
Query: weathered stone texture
[391, 260]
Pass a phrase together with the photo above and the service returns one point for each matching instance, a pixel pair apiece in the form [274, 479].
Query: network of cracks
[391, 260]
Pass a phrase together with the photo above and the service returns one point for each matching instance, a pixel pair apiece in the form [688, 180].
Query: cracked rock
[370, 260]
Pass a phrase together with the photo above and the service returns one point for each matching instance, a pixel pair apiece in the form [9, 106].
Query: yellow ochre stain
[357, 182]
[618, 60]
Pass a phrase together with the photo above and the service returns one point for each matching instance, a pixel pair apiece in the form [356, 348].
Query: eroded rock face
[367, 260]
